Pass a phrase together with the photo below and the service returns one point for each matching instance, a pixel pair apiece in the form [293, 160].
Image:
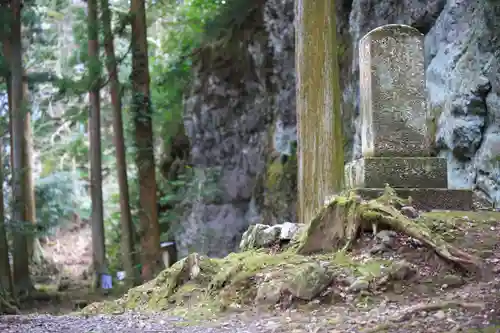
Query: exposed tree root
[339, 223]
[408, 313]
[7, 306]
[434, 307]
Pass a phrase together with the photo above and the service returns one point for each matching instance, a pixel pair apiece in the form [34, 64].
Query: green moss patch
[274, 174]
[198, 287]
[279, 185]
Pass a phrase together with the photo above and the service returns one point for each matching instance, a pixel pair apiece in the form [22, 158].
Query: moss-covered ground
[201, 287]
[404, 269]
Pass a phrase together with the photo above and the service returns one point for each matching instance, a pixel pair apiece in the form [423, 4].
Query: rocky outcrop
[463, 50]
[264, 236]
[240, 112]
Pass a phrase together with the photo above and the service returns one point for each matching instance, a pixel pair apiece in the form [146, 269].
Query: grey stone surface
[241, 107]
[393, 97]
[397, 172]
[428, 198]
[261, 235]
[462, 53]
[390, 83]
[386, 132]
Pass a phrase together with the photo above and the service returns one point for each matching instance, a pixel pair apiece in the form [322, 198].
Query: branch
[118, 62]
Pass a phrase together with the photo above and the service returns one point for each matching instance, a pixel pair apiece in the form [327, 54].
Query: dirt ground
[438, 300]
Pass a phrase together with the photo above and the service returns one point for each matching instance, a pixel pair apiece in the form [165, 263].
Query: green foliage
[59, 81]
[113, 236]
[182, 30]
[228, 17]
[59, 196]
[192, 186]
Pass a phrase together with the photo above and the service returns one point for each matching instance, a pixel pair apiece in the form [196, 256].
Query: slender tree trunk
[148, 213]
[319, 116]
[5, 272]
[127, 227]
[7, 55]
[35, 251]
[6, 283]
[21, 260]
[99, 250]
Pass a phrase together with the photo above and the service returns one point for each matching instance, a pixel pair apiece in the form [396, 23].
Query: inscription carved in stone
[393, 99]
[395, 138]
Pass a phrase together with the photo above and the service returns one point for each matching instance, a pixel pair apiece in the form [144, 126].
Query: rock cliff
[240, 111]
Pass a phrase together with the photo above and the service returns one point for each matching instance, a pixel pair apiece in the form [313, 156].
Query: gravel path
[342, 318]
[130, 322]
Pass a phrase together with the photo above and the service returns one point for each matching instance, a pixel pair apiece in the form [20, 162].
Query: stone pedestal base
[427, 198]
[408, 172]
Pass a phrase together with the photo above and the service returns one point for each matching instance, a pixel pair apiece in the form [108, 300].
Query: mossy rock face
[280, 188]
[309, 279]
[304, 281]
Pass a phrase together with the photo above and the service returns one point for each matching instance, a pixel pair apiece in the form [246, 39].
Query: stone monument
[395, 136]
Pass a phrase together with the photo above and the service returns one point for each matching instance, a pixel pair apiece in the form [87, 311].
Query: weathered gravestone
[395, 136]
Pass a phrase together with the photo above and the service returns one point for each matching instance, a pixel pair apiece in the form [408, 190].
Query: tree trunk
[35, 251]
[20, 198]
[9, 99]
[148, 210]
[127, 227]
[98, 246]
[6, 48]
[319, 117]
[6, 286]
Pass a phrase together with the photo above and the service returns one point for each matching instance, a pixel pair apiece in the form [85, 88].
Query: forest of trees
[91, 96]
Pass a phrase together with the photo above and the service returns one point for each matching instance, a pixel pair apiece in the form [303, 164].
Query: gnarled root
[7, 305]
[341, 221]
[388, 217]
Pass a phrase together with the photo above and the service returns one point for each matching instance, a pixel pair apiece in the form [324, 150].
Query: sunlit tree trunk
[127, 231]
[22, 278]
[98, 246]
[320, 144]
[141, 108]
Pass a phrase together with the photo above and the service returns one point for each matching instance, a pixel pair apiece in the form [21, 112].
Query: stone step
[404, 172]
[427, 198]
